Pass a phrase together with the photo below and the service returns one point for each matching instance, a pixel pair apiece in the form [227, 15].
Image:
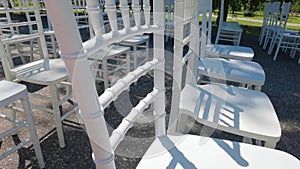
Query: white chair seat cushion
[38, 75]
[246, 72]
[190, 151]
[230, 52]
[10, 92]
[134, 40]
[231, 26]
[233, 109]
[113, 50]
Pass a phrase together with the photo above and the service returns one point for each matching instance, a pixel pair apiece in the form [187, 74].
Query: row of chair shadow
[274, 34]
[238, 110]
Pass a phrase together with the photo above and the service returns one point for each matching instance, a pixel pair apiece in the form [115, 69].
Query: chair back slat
[147, 9]
[111, 10]
[125, 13]
[136, 8]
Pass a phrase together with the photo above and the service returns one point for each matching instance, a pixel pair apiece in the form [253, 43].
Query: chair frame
[8, 99]
[93, 107]
[50, 73]
[228, 31]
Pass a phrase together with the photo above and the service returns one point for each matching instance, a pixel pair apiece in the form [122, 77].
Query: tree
[226, 7]
[235, 5]
[250, 6]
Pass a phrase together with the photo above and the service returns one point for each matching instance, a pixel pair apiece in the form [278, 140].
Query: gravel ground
[282, 87]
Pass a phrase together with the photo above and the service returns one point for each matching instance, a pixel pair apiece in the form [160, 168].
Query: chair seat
[10, 92]
[230, 52]
[135, 40]
[19, 38]
[245, 72]
[56, 74]
[231, 26]
[232, 109]
[114, 50]
[190, 151]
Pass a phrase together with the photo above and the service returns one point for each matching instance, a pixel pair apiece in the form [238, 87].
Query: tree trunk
[226, 7]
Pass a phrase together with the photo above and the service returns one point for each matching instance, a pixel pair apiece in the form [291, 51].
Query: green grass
[259, 15]
[254, 27]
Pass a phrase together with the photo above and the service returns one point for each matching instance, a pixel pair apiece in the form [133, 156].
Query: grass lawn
[260, 16]
[253, 27]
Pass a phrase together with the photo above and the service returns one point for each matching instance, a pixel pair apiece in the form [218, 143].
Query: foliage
[250, 6]
[295, 8]
[235, 5]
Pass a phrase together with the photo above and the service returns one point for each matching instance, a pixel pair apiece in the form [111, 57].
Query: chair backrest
[74, 53]
[274, 13]
[186, 53]
[25, 29]
[284, 16]
[205, 12]
[266, 13]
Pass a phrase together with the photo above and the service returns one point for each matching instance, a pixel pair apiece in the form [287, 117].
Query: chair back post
[205, 6]
[72, 53]
[284, 16]
[220, 19]
[186, 33]
[159, 73]
[192, 71]
[5, 63]
[221, 13]
[41, 34]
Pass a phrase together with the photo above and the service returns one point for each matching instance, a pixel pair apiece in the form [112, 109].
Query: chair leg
[277, 50]
[34, 137]
[247, 140]
[272, 44]
[147, 50]
[182, 126]
[135, 57]
[257, 87]
[266, 40]
[128, 62]
[105, 73]
[218, 36]
[270, 144]
[57, 116]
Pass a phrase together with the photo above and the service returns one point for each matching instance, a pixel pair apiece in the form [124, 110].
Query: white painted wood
[236, 110]
[190, 151]
[40, 70]
[245, 72]
[11, 93]
[273, 21]
[228, 31]
[221, 69]
[186, 151]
